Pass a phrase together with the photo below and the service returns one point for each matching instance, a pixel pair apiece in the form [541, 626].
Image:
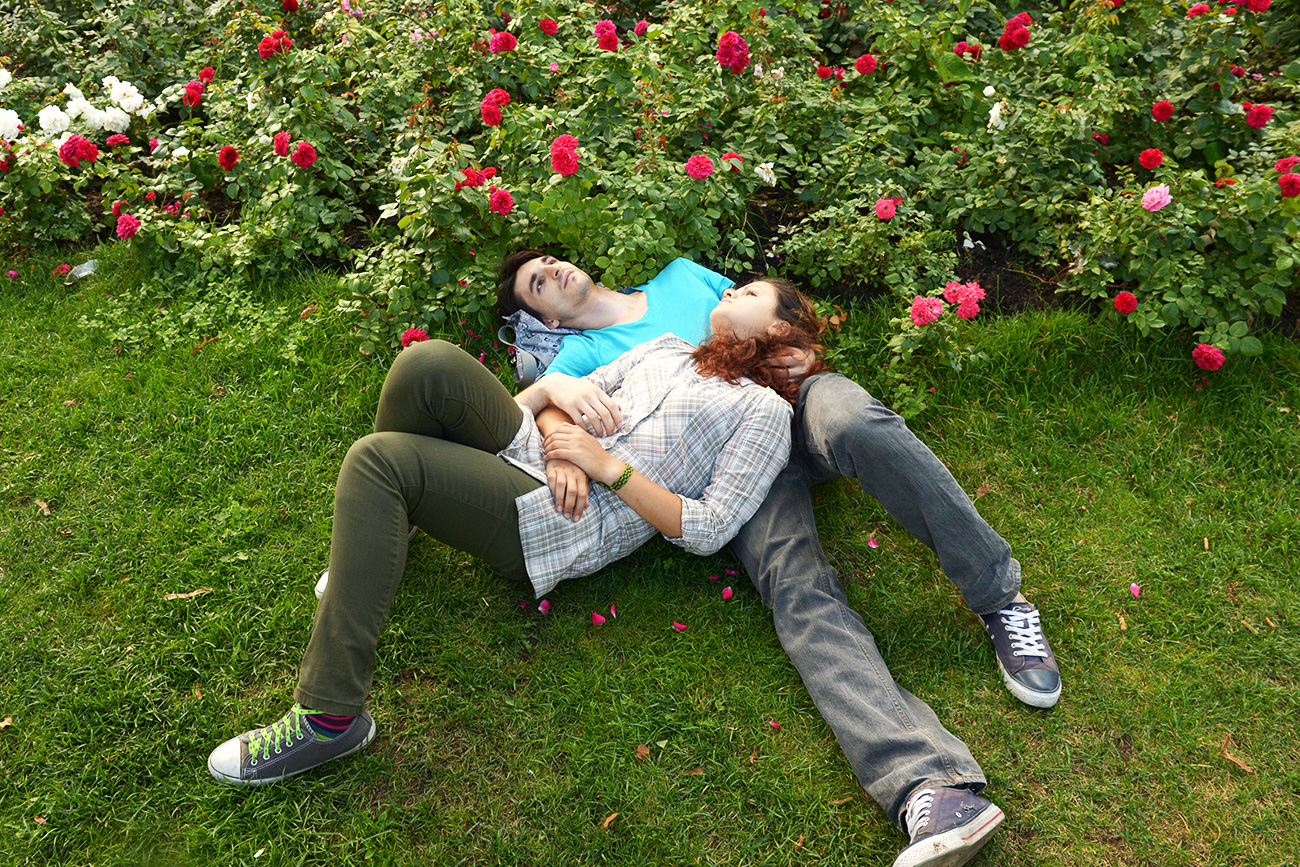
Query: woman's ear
[779, 329]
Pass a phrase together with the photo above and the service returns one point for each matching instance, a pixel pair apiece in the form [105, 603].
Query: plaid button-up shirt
[717, 446]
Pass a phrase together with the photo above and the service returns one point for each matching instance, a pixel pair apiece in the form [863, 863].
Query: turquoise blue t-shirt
[679, 300]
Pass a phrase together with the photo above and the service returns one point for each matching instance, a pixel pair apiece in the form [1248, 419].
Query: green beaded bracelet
[622, 479]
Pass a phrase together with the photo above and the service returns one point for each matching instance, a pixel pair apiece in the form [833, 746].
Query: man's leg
[841, 430]
[894, 742]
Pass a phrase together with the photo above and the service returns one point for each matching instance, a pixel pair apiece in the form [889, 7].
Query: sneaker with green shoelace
[287, 747]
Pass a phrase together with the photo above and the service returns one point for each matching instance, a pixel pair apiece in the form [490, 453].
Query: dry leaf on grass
[308, 310]
[695, 773]
[1122, 625]
[1271, 624]
[190, 595]
[45, 507]
[604, 826]
[642, 752]
[1251, 628]
[753, 757]
[6, 722]
[842, 801]
[69, 403]
[1230, 757]
[798, 844]
[981, 490]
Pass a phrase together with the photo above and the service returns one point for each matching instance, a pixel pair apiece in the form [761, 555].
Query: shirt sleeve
[742, 474]
[576, 358]
[717, 283]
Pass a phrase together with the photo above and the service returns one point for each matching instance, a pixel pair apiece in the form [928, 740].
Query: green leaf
[951, 67]
[1251, 346]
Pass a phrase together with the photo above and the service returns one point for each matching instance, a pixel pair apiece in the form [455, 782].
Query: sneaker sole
[955, 847]
[234, 781]
[1027, 695]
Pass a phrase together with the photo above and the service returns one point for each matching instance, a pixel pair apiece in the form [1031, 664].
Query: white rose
[5, 78]
[53, 120]
[778, 73]
[116, 120]
[181, 153]
[995, 115]
[92, 117]
[764, 171]
[652, 57]
[989, 91]
[76, 106]
[132, 104]
[9, 123]
[71, 91]
[109, 81]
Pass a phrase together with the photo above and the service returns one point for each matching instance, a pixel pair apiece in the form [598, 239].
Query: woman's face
[745, 311]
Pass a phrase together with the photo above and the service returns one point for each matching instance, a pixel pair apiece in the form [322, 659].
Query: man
[922, 776]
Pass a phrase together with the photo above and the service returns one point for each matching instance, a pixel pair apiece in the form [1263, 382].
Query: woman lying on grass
[455, 455]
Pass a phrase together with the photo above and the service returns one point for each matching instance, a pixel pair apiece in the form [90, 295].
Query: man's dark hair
[507, 301]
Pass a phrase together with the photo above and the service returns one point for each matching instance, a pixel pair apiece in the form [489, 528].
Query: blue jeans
[893, 740]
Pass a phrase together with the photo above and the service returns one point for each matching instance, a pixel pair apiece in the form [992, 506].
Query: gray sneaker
[948, 826]
[324, 578]
[283, 749]
[1024, 657]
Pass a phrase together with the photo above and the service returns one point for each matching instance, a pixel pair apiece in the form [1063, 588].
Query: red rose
[60, 270]
[563, 143]
[866, 64]
[603, 28]
[1290, 184]
[1258, 115]
[732, 155]
[497, 96]
[193, 94]
[227, 157]
[72, 151]
[1224, 182]
[733, 51]
[699, 167]
[1126, 302]
[153, 145]
[1162, 110]
[117, 208]
[503, 41]
[127, 226]
[1101, 137]
[150, 196]
[564, 162]
[824, 72]
[304, 155]
[641, 27]
[960, 48]
[490, 172]
[473, 177]
[267, 47]
[206, 74]
[1019, 37]
[281, 144]
[411, 335]
[289, 5]
[1151, 158]
[548, 26]
[1285, 164]
[608, 42]
[1207, 357]
[1021, 20]
[117, 139]
[1258, 6]
[500, 201]
[975, 51]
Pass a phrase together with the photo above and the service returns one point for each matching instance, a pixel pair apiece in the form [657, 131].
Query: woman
[700, 444]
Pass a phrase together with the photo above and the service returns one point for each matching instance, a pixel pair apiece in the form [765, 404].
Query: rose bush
[352, 132]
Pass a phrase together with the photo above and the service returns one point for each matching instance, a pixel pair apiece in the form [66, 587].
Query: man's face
[556, 289]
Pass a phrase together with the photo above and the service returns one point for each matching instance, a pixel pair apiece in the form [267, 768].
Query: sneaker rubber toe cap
[225, 762]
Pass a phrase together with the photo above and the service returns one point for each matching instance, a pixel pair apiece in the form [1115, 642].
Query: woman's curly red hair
[728, 358]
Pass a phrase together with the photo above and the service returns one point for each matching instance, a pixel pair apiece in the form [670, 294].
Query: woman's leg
[461, 495]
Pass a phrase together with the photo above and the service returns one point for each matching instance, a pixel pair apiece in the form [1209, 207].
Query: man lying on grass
[922, 776]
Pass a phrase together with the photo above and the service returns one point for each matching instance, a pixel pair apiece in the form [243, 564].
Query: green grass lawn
[507, 737]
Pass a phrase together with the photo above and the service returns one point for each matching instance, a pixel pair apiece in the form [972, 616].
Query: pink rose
[127, 226]
[304, 155]
[281, 144]
[500, 201]
[413, 335]
[699, 167]
[886, 208]
[925, 310]
[1156, 198]
[1207, 357]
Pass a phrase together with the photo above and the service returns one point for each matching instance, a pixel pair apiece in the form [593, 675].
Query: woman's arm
[660, 507]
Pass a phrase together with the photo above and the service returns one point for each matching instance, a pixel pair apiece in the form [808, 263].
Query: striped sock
[328, 726]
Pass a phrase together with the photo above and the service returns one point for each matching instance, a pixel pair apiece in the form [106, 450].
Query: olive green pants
[431, 462]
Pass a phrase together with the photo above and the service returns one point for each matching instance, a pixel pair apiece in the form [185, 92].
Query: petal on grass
[726, 593]
[731, 571]
[612, 611]
[545, 606]
[678, 626]
[714, 577]
[872, 543]
[774, 724]
[596, 619]
[1135, 590]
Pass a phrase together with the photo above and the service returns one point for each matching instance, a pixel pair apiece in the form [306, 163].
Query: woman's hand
[573, 444]
[569, 485]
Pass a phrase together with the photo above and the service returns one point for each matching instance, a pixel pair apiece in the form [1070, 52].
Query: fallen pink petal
[545, 606]
[726, 593]
[731, 571]
[872, 543]
[522, 605]
[612, 612]
[1135, 590]
[714, 577]
[678, 626]
[774, 724]
[596, 619]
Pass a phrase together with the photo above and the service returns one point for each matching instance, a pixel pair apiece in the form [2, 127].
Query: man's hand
[795, 362]
[569, 485]
[583, 402]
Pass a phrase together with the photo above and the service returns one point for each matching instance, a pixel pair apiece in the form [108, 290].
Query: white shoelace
[1026, 632]
[918, 809]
